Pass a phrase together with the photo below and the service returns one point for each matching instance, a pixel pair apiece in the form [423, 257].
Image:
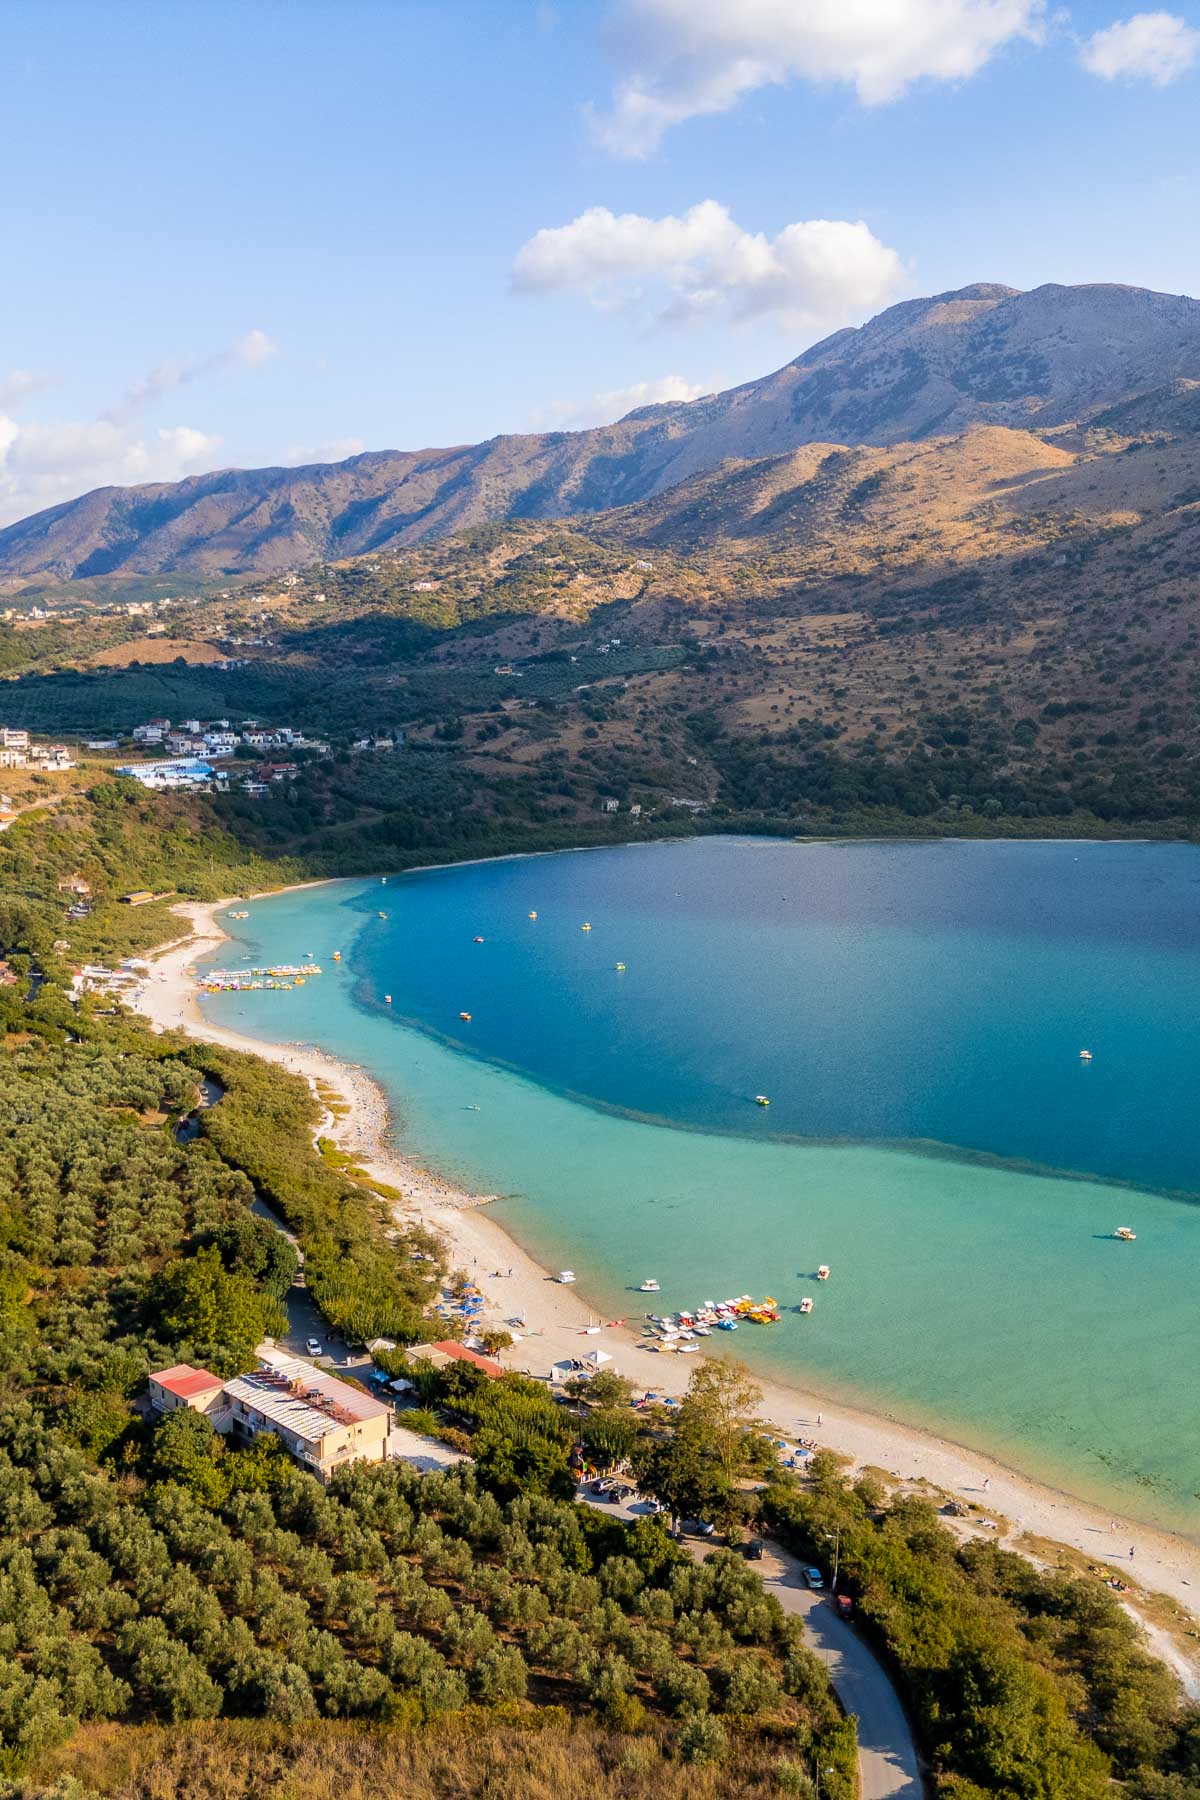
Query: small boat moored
[823, 1272]
[465, 1017]
[1085, 1056]
[533, 915]
[585, 926]
[806, 1305]
[649, 1286]
[1126, 1235]
[761, 1100]
[387, 999]
[565, 1276]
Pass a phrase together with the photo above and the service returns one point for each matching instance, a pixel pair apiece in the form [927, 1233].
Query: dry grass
[157, 650]
[465, 1758]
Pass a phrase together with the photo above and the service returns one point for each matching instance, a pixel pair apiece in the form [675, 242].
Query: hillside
[985, 355]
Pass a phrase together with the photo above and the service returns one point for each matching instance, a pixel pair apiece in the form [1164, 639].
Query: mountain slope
[985, 355]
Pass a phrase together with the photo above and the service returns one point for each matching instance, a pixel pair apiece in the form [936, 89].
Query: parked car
[814, 1578]
[754, 1550]
[312, 1347]
[845, 1606]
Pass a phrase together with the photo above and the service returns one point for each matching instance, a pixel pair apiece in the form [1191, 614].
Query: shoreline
[557, 1316]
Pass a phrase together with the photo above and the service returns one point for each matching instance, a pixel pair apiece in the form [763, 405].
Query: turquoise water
[915, 1012]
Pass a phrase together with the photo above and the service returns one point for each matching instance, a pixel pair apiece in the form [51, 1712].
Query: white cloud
[1156, 46]
[684, 58]
[18, 384]
[811, 272]
[614, 403]
[336, 450]
[245, 352]
[41, 465]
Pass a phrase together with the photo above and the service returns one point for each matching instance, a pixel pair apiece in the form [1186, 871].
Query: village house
[11, 739]
[196, 1389]
[442, 1354]
[13, 759]
[610, 806]
[52, 756]
[152, 732]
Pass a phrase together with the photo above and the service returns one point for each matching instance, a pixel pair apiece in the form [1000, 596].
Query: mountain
[989, 355]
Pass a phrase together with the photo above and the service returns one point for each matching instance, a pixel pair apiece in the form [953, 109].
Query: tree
[529, 1465]
[719, 1407]
[186, 1450]
[199, 1303]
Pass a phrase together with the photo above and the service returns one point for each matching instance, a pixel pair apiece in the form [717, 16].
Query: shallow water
[917, 1010]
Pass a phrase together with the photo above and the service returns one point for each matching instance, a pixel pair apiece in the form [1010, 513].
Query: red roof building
[450, 1351]
[184, 1386]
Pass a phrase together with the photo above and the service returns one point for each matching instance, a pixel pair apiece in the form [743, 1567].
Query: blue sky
[241, 234]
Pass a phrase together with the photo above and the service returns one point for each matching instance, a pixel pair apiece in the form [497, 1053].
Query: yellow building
[323, 1422]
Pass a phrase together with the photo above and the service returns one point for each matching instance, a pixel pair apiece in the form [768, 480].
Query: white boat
[1085, 1056]
[688, 1349]
[1126, 1235]
[806, 1305]
[761, 1100]
[823, 1272]
[649, 1286]
[566, 1276]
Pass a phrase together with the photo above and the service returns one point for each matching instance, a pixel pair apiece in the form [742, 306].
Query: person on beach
[987, 1482]
[820, 1418]
[1131, 1552]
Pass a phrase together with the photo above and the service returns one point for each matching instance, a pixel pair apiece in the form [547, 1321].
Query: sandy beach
[556, 1319]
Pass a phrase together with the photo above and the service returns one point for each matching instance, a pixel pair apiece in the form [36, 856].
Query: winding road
[888, 1767]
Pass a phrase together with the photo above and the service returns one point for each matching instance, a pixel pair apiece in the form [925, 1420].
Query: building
[448, 1352]
[323, 1422]
[13, 759]
[13, 740]
[610, 806]
[175, 772]
[194, 1388]
[152, 732]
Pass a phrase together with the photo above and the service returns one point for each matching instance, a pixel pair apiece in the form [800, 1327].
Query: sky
[258, 233]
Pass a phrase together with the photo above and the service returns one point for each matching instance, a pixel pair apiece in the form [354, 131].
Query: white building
[152, 732]
[180, 772]
[13, 740]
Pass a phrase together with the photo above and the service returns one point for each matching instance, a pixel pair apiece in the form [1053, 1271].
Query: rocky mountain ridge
[1121, 359]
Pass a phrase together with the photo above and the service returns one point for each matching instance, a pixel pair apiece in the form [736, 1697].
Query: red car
[845, 1606]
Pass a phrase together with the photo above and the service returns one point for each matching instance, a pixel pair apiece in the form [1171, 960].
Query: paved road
[887, 1756]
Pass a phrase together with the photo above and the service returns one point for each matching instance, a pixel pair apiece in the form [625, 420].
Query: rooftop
[186, 1382]
[292, 1393]
[460, 1353]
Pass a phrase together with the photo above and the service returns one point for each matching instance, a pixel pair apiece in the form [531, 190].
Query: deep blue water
[897, 992]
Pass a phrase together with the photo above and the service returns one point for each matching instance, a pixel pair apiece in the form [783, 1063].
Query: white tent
[595, 1359]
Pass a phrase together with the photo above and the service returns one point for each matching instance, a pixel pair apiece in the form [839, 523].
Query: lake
[914, 1012]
